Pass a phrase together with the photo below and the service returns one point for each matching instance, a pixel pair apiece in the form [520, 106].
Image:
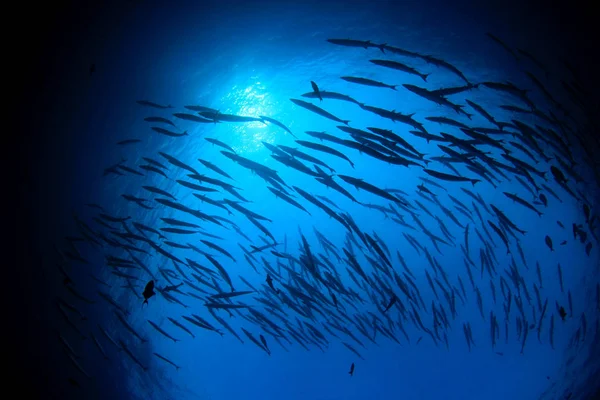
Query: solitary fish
[562, 313]
[549, 243]
[148, 291]
[351, 370]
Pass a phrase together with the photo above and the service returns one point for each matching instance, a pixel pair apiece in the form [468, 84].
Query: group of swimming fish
[357, 289]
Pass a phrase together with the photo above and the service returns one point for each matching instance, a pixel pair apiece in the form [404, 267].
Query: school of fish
[546, 149]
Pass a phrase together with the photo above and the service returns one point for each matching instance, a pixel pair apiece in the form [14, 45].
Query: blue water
[250, 60]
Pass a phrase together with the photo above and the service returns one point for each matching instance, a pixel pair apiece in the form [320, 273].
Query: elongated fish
[279, 124]
[318, 110]
[400, 67]
[365, 44]
[330, 95]
[448, 177]
[367, 82]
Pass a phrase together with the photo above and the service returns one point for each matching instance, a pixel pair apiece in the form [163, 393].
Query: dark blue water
[251, 59]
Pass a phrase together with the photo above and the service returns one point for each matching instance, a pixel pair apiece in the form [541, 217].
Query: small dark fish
[558, 175]
[549, 243]
[351, 370]
[148, 291]
[92, 69]
[562, 313]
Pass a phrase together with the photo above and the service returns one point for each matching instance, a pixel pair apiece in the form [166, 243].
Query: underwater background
[417, 287]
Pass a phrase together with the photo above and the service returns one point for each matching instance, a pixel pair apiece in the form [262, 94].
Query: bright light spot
[251, 101]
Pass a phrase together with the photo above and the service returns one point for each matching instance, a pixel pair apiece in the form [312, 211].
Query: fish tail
[393, 87]
[474, 181]
[425, 77]
[346, 121]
